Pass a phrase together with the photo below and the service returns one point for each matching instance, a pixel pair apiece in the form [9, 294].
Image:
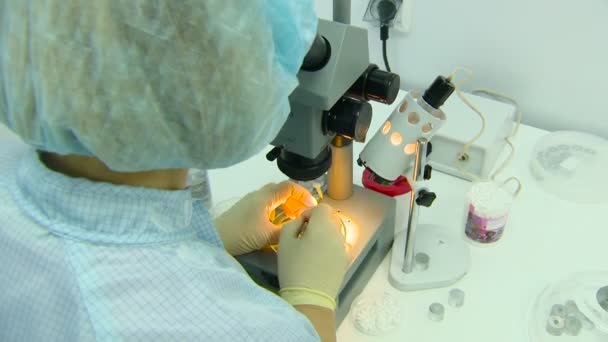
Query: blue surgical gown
[88, 261]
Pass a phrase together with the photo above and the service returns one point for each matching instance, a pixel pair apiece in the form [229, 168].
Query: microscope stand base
[449, 260]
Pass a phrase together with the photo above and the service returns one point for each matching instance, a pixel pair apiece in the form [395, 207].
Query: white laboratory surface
[546, 238]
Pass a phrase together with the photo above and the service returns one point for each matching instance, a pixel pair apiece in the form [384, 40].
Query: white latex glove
[247, 226]
[312, 267]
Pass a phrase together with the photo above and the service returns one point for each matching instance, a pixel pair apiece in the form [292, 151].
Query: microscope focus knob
[350, 118]
[382, 86]
[376, 85]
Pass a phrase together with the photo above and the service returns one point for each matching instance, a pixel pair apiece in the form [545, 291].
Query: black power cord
[387, 10]
[384, 38]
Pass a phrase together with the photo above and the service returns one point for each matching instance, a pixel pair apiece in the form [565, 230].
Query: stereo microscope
[330, 110]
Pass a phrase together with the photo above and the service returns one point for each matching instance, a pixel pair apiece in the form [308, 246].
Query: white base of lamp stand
[449, 260]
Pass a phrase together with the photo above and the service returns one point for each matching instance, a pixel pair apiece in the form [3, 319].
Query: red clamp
[399, 187]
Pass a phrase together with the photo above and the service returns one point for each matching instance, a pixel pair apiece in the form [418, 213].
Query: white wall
[552, 56]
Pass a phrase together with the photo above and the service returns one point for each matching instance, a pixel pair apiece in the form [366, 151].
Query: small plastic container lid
[572, 166]
[489, 199]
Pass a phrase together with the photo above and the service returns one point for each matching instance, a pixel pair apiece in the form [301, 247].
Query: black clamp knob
[273, 154]
[426, 198]
[441, 89]
[428, 171]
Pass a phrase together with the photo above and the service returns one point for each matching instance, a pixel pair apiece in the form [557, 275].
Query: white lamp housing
[389, 155]
[393, 147]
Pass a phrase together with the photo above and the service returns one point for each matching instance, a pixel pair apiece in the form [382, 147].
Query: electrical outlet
[400, 21]
[403, 20]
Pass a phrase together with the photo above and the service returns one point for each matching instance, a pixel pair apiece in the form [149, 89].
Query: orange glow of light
[396, 139]
[386, 128]
[351, 231]
[410, 149]
[294, 208]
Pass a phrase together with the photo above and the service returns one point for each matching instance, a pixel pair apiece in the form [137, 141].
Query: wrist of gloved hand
[304, 296]
[312, 259]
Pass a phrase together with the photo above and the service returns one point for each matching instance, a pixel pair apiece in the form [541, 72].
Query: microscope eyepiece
[318, 55]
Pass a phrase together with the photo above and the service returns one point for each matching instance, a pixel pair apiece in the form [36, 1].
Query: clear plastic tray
[589, 291]
[572, 166]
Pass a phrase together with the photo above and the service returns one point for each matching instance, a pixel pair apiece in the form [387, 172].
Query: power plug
[399, 19]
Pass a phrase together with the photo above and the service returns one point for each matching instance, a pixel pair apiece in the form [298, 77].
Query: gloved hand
[247, 226]
[312, 267]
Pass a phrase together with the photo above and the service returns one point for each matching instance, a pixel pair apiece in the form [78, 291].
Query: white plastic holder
[449, 260]
[449, 257]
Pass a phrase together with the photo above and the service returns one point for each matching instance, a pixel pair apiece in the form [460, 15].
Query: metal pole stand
[425, 256]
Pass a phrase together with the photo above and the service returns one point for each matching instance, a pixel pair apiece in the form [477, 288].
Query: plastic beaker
[488, 210]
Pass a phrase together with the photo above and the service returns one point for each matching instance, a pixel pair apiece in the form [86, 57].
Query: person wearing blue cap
[100, 238]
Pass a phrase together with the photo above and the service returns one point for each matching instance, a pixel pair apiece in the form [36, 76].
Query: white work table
[546, 238]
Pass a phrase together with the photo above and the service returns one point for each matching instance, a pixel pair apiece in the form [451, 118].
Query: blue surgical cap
[151, 84]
